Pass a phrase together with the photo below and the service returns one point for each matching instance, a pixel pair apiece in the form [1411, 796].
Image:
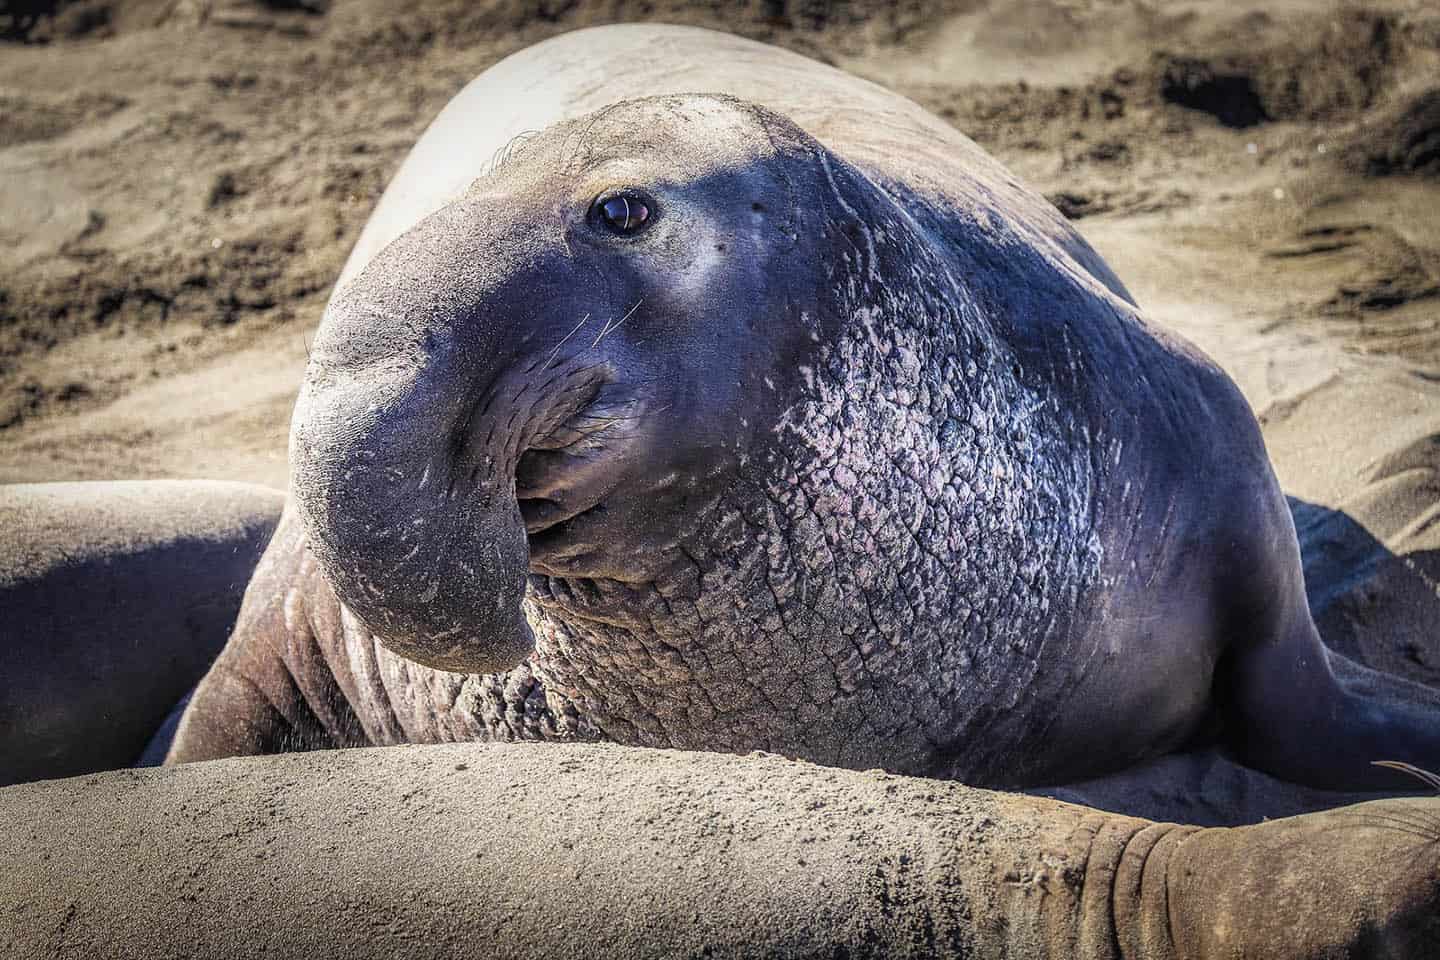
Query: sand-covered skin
[180, 183]
[530, 850]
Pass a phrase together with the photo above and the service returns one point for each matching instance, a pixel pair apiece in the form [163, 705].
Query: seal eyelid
[624, 212]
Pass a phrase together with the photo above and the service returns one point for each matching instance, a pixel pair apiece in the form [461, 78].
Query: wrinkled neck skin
[879, 584]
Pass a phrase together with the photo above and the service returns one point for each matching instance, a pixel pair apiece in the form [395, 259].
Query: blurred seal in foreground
[517, 851]
[114, 599]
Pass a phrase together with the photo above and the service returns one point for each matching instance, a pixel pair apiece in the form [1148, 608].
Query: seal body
[744, 405]
[115, 597]
[598, 850]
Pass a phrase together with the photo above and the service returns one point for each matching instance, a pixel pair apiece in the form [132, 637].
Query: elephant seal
[745, 405]
[543, 850]
[116, 597]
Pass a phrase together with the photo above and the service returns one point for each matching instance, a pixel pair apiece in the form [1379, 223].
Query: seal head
[548, 372]
[698, 411]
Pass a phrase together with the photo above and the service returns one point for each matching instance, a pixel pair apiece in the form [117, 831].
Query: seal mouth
[561, 483]
[541, 514]
[560, 549]
[550, 527]
[578, 451]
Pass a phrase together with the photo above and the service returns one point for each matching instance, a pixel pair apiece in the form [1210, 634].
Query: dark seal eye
[623, 212]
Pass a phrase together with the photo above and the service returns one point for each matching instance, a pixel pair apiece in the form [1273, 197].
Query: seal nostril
[539, 513]
[561, 535]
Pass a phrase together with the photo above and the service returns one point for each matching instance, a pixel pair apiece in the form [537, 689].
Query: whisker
[507, 152]
[1424, 776]
[582, 137]
[607, 329]
[556, 351]
[1414, 819]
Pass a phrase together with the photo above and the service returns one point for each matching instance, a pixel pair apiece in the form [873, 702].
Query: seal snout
[426, 531]
[434, 475]
[555, 373]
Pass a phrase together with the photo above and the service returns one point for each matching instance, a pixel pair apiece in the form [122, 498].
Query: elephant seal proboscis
[745, 405]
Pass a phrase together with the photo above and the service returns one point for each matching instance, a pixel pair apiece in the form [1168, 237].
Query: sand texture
[529, 850]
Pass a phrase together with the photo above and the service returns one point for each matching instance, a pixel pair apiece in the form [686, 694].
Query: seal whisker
[1424, 776]
[556, 351]
[506, 153]
[607, 329]
[582, 135]
[1416, 820]
[1415, 823]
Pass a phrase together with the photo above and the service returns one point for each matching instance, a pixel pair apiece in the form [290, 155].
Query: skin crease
[815, 462]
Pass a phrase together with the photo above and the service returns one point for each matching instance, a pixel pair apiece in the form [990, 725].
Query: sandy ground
[180, 181]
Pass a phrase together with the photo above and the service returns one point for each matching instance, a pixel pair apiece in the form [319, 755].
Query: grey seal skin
[114, 600]
[747, 406]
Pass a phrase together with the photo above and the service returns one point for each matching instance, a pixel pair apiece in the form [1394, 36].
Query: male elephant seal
[747, 406]
[114, 599]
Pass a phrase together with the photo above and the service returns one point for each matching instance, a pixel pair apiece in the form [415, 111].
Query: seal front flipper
[1308, 723]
